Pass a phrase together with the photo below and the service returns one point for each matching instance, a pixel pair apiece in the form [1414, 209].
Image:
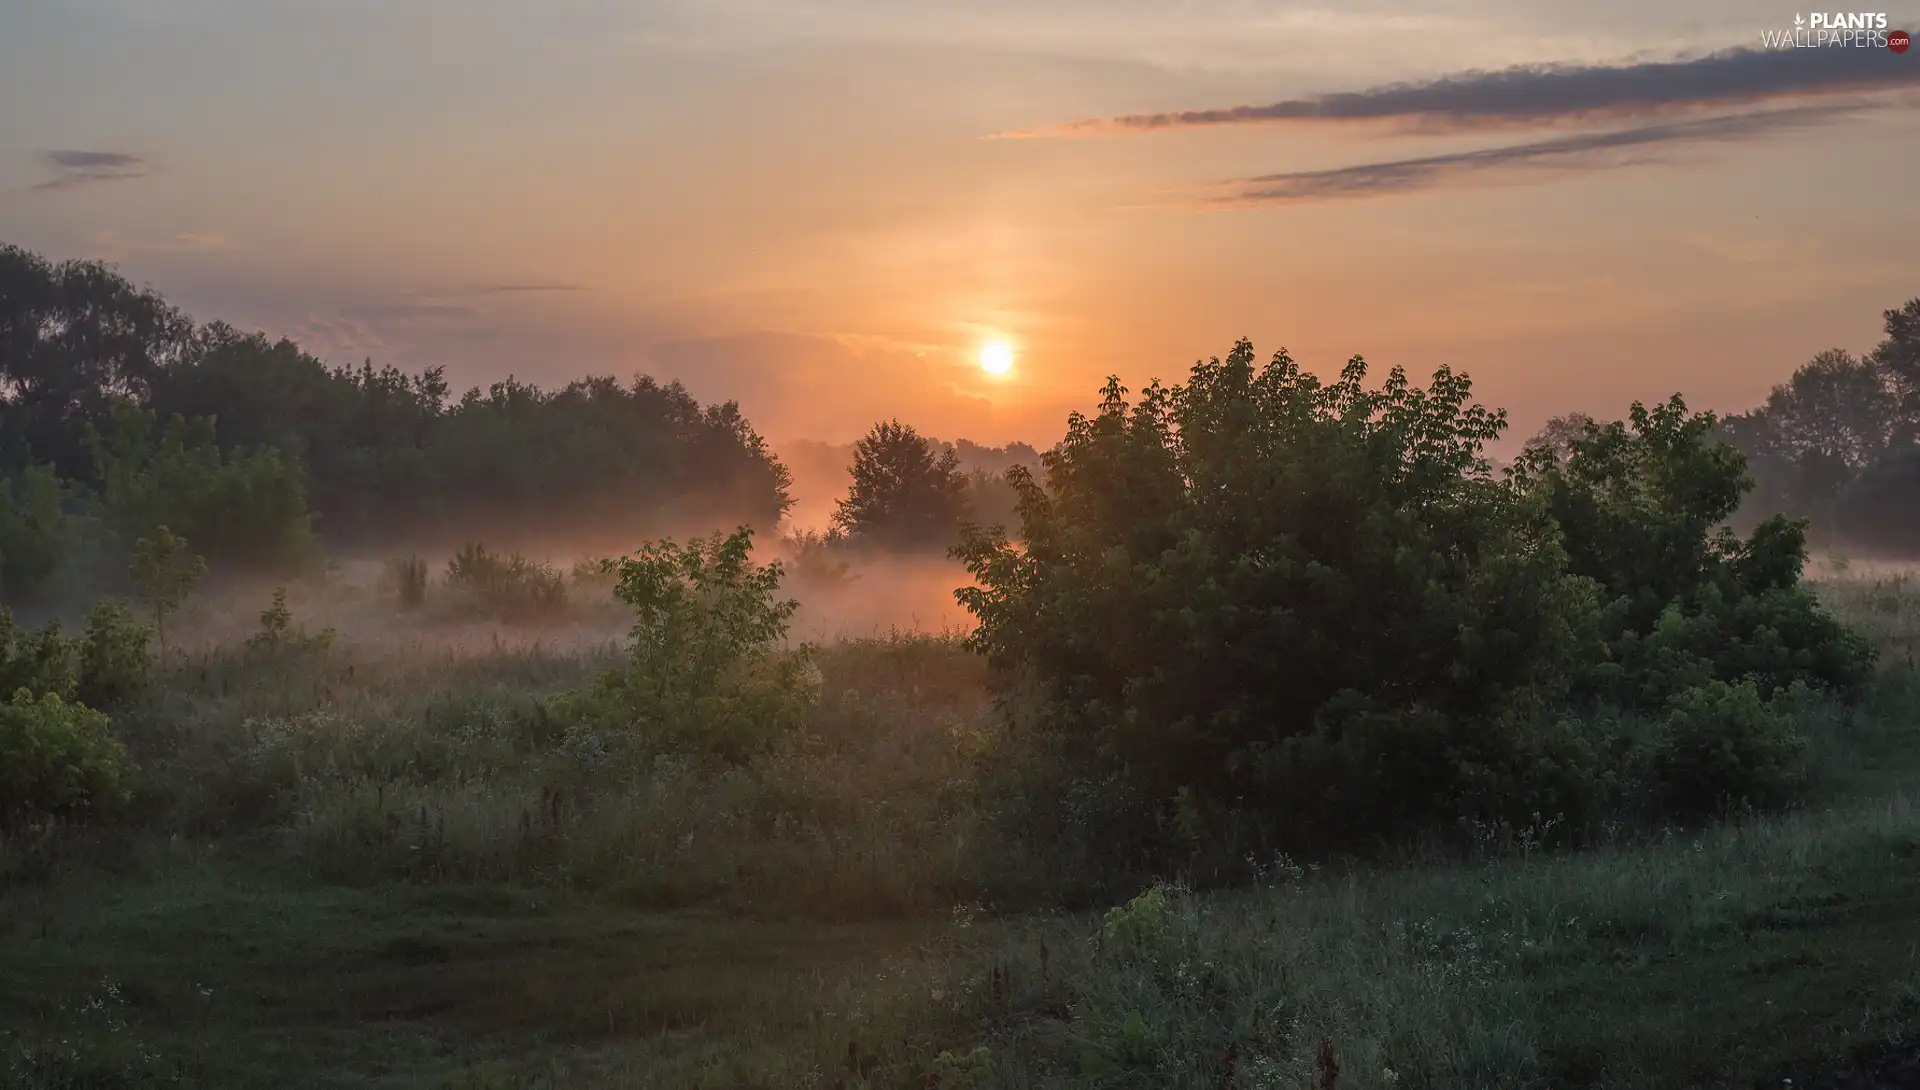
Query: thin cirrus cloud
[1530, 161]
[77, 168]
[1557, 94]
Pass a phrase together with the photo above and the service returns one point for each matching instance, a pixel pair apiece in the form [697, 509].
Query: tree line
[117, 407]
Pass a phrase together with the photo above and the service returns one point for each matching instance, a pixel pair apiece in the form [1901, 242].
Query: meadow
[383, 859]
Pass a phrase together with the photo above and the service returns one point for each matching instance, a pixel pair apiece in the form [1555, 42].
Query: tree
[34, 531]
[75, 337]
[164, 574]
[905, 494]
[1899, 355]
[1556, 437]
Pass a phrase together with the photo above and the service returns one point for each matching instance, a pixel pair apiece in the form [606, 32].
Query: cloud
[1561, 94]
[498, 289]
[78, 168]
[1583, 151]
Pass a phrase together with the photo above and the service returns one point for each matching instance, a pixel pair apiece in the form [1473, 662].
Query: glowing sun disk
[996, 357]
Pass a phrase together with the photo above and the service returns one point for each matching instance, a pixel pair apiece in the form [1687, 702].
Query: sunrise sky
[823, 208]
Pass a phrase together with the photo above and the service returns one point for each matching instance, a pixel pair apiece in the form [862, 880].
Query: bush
[37, 662]
[1216, 580]
[1642, 505]
[507, 586]
[116, 656]
[1724, 746]
[706, 670]
[277, 632]
[57, 758]
[1315, 607]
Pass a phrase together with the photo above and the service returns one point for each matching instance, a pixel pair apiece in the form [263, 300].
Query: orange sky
[802, 206]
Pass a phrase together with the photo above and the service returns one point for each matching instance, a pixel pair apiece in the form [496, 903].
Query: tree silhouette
[905, 493]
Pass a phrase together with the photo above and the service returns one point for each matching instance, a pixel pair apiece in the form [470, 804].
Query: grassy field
[387, 864]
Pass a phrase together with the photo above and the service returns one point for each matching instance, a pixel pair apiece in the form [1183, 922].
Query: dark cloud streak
[78, 168]
[1561, 94]
[1585, 151]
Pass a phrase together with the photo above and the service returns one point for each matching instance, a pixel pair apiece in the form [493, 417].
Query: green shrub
[1316, 607]
[57, 758]
[38, 662]
[116, 656]
[507, 586]
[1725, 746]
[277, 632]
[1213, 574]
[1642, 505]
[707, 669]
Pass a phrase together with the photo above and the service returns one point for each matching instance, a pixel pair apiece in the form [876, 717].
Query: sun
[996, 357]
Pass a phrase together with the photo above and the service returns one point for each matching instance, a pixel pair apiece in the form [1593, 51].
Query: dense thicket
[1317, 603]
[249, 445]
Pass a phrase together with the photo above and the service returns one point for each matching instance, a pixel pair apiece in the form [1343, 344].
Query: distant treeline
[1838, 444]
[116, 406]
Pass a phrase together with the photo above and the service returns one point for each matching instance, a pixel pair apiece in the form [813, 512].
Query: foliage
[1831, 442]
[75, 338]
[1642, 505]
[243, 508]
[1880, 508]
[707, 668]
[507, 586]
[906, 494]
[819, 559]
[57, 758]
[1217, 580]
[277, 632]
[116, 661]
[36, 662]
[375, 451]
[164, 574]
[34, 530]
[1725, 745]
[106, 664]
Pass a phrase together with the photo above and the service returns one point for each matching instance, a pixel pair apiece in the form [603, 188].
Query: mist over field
[899, 546]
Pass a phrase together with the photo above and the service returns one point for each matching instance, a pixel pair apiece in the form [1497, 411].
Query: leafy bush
[507, 585]
[1315, 606]
[1642, 505]
[707, 669]
[818, 559]
[116, 657]
[1217, 576]
[36, 662]
[1725, 745]
[57, 758]
[277, 632]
